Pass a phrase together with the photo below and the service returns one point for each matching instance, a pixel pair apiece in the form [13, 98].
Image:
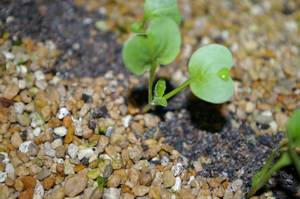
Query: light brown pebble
[78, 181]
[186, 193]
[218, 191]
[168, 179]
[57, 193]
[16, 139]
[146, 176]
[114, 181]
[29, 182]
[140, 190]
[19, 186]
[154, 192]
[127, 196]
[133, 177]
[11, 91]
[27, 194]
[48, 182]
[9, 182]
[4, 190]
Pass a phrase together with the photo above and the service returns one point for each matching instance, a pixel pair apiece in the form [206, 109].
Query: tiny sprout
[157, 42]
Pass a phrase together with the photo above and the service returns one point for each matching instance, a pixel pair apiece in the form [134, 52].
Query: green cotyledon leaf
[209, 68]
[162, 8]
[160, 45]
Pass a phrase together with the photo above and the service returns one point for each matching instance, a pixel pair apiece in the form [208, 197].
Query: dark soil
[196, 128]
[69, 27]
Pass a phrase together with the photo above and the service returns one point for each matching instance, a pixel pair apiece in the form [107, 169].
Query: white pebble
[78, 126]
[60, 131]
[8, 55]
[19, 107]
[177, 169]
[21, 69]
[85, 153]
[56, 143]
[39, 75]
[111, 193]
[3, 176]
[126, 120]
[63, 112]
[6, 159]
[22, 84]
[37, 131]
[9, 168]
[177, 186]
[38, 191]
[48, 150]
[72, 151]
[24, 147]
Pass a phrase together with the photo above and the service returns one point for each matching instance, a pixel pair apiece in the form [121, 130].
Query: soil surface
[86, 50]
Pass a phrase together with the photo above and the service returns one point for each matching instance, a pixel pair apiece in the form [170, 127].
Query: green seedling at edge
[157, 42]
[286, 154]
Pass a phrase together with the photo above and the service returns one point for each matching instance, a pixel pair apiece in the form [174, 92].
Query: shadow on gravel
[138, 97]
[204, 115]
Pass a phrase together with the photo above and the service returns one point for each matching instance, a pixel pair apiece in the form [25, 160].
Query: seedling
[157, 42]
[286, 154]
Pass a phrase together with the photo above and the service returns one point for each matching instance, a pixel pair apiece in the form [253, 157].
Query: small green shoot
[157, 42]
[159, 92]
[287, 152]
[101, 182]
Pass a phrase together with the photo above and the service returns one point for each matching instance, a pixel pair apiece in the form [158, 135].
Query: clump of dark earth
[86, 51]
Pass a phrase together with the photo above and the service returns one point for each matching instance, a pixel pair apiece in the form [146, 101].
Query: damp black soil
[195, 128]
[86, 50]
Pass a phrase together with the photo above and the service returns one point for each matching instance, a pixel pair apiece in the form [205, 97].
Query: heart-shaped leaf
[293, 129]
[159, 45]
[159, 8]
[209, 68]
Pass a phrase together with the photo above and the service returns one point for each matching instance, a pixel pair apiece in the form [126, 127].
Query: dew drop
[224, 74]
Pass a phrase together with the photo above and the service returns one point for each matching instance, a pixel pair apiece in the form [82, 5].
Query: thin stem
[151, 80]
[178, 89]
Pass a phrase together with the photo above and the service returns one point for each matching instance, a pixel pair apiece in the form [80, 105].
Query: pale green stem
[178, 89]
[151, 80]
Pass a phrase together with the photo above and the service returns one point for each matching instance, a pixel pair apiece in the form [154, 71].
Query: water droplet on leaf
[224, 74]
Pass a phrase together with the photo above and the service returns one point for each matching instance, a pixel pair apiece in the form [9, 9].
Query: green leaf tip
[209, 68]
[160, 45]
[162, 8]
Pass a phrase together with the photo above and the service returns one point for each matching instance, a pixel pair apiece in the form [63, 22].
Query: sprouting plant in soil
[157, 42]
[286, 154]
